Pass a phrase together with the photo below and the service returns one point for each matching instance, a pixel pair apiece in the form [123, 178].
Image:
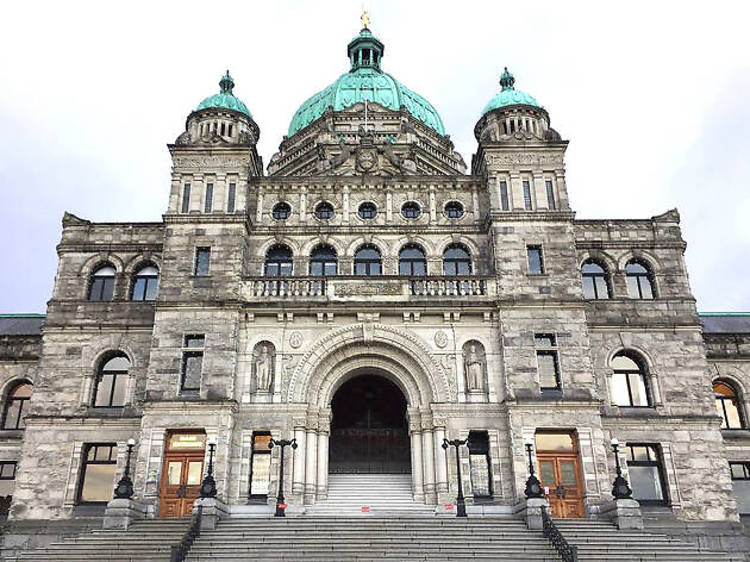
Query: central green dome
[509, 95]
[365, 81]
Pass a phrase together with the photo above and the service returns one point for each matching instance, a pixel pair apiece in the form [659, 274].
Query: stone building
[369, 294]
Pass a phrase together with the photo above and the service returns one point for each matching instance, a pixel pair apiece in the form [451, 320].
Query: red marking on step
[449, 506]
[365, 509]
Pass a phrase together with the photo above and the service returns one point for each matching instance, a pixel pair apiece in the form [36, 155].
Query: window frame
[528, 197]
[3, 464]
[370, 205]
[185, 204]
[454, 205]
[604, 274]
[208, 200]
[94, 278]
[100, 372]
[640, 279]
[197, 270]
[409, 208]
[137, 276]
[480, 446]
[231, 196]
[549, 187]
[191, 351]
[254, 452]
[724, 399]
[278, 263]
[658, 463]
[368, 263]
[412, 262]
[641, 371]
[324, 208]
[85, 462]
[535, 248]
[19, 425]
[454, 262]
[548, 350]
[276, 211]
[504, 199]
[324, 263]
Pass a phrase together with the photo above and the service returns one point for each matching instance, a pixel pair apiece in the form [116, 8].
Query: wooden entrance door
[560, 473]
[182, 473]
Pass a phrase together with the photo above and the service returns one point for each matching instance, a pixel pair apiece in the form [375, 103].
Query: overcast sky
[653, 97]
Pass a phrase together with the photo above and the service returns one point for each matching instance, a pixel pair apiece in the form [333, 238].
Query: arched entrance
[369, 432]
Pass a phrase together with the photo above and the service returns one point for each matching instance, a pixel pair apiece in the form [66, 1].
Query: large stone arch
[392, 352]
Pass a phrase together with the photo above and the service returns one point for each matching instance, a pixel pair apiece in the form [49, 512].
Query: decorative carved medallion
[367, 159]
[441, 339]
[295, 340]
[370, 289]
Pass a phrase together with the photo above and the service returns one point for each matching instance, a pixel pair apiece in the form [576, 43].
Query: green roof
[509, 95]
[365, 80]
[225, 99]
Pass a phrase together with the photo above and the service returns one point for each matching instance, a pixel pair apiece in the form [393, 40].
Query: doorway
[560, 473]
[182, 472]
[369, 432]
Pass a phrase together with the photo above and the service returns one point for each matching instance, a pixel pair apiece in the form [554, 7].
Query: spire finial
[226, 84]
[365, 17]
[507, 80]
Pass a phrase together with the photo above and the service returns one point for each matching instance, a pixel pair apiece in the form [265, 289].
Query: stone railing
[448, 286]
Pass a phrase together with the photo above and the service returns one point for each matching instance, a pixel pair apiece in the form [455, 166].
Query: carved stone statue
[474, 369]
[263, 369]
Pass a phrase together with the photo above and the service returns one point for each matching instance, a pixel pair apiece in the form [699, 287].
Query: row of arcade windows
[367, 210]
[208, 197]
[145, 283]
[597, 283]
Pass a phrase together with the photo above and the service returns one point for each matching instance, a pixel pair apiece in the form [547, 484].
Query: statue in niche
[263, 366]
[474, 366]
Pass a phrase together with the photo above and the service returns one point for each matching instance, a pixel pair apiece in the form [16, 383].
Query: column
[562, 191]
[311, 468]
[539, 192]
[516, 192]
[298, 483]
[322, 483]
[441, 468]
[428, 463]
[416, 466]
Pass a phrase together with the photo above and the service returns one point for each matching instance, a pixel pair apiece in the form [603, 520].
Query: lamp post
[124, 488]
[620, 488]
[460, 503]
[208, 486]
[280, 503]
[533, 486]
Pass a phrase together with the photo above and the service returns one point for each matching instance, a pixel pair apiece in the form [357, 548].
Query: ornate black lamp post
[533, 486]
[460, 503]
[124, 488]
[280, 503]
[620, 489]
[208, 486]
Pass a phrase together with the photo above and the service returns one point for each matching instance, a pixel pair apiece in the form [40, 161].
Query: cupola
[365, 51]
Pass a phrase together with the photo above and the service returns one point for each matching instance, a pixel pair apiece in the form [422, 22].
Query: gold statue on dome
[365, 17]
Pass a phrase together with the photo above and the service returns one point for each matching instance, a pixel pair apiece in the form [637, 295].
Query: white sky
[652, 95]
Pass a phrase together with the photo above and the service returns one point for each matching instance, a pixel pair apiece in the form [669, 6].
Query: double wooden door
[560, 475]
[181, 474]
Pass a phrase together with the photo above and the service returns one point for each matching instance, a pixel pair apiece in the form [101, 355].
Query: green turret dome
[509, 95]
[365, 80]
[225, 99]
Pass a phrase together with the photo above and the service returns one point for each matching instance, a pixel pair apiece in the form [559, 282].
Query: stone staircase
[386, 495]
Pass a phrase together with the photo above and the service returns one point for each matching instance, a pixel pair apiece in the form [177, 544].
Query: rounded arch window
[281, 211]
[367, 210]
[110, 390]
[640, 280]
[629, 386]
[102, 283]
[410, 210]
[728, 405]
[16, 405]
[454, 210]
[278, 261]
[323, 261]
[324, 210]
[456, 260]
[412, 261]
[367, 261]
[145, 284]
[595, 280]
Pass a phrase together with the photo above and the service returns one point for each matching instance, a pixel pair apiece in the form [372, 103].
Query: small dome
[225, 99]
[365, 80]
[509, 95]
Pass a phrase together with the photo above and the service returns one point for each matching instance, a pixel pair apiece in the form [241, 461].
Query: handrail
[567, 552]
[180, 550]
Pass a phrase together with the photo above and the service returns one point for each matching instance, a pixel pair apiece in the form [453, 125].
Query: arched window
[367, 210]
[640, 280]
[281, 211]
[102, 284]
[595, 280]
[16, 405]
[410, 210]
[324, 211]
[629, 387]
[110, 390]
[146, 284]
[454, 210]
[367, 261]
[412, 261]
[278, 261]
[456, 260]
[728, 406]
[323, 261]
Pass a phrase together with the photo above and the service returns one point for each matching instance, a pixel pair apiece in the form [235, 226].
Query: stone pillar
[428, 462]
[441, 467]
[531, 511]
[322, 483]
[298, 482]
[516, 192]
[416, 466]
[625, 513]
[311, 465]
[121, 512]
[562, 190]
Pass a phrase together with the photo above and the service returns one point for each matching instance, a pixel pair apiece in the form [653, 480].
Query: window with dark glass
[102, 284]
[527, 195]
[146, 284]
[112, 383]
[479, 464]
[741, 485]
[536, 262]
[454, 210]
[456, 260]
[186, 198]
[639, 280]
[646, 473]
[281, 211]
[412, 261]
[728, 406]
[548, 365]
[278, 261]
[16, 405]
[629, 387]
[209, 202]
[260, 464]
[550, 195]
[231, 197]
[97, 473]
[324, 211]
[192, 363]
[595, 281]
[504, 204]
[410, 210]
[7, 470]
[367, 261]
[367, 210]
[323, 261]
[202, 261]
